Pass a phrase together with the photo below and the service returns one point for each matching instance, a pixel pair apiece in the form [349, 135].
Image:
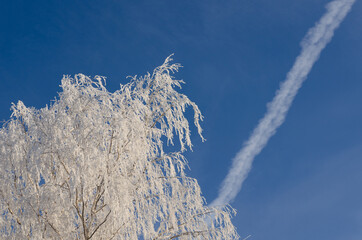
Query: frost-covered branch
[93, 165]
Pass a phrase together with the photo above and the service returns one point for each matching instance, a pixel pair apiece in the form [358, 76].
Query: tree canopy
[93, 165]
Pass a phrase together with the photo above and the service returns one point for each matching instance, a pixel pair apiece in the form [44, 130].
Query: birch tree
[93, 165]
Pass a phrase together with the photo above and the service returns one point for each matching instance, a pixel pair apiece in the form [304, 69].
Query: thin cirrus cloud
[313, 43]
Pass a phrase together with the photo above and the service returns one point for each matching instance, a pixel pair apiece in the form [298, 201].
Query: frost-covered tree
[92, 165]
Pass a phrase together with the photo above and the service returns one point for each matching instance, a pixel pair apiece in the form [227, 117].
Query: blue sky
[306, 184]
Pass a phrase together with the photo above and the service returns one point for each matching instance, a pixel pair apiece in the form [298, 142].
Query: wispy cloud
[312, 45]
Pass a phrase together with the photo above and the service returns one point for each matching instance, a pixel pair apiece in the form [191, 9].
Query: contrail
[312, 45]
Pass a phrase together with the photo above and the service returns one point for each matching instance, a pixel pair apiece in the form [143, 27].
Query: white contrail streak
[312, 45]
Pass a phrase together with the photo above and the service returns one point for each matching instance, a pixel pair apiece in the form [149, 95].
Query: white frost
[93, 165]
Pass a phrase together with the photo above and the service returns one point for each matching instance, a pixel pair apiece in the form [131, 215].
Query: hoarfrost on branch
[92, 165]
